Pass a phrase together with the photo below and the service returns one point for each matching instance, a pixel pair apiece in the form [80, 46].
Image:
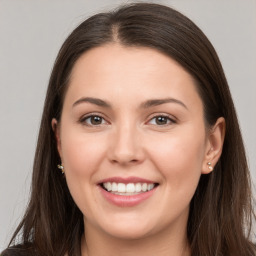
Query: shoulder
[18, 250]
[10, 252]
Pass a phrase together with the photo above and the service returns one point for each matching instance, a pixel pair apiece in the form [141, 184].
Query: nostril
[124, 160]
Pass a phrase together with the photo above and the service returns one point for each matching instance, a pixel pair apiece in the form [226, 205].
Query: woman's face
[132, 140]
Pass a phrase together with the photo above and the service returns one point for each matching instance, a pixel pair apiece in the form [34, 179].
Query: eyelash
[84, 119]
[169, 119]
[90, 116]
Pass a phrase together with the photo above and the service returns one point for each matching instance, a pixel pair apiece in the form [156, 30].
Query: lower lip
[126, 201]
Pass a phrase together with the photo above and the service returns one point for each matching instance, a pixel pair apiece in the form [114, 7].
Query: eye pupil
[161, 120]
[96, 120]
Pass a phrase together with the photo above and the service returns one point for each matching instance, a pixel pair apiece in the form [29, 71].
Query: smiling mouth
[128, 189]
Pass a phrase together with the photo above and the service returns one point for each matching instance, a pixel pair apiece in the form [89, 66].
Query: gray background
[31, 33]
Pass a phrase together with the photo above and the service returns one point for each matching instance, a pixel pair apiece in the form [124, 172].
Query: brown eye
[94, 120]
[161, 120]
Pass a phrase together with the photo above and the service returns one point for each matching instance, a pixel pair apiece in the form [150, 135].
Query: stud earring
[209, 166]
[60, 166]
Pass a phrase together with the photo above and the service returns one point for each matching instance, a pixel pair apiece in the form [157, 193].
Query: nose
[126, 146]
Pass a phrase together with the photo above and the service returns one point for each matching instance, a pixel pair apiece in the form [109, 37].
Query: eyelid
[88, 115]
[155, 115]
[172, 119]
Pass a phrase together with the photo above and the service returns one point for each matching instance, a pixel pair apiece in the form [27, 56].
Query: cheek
[179, 158]
[81, 153]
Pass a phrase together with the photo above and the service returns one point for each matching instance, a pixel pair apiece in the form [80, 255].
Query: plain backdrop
[31, 33]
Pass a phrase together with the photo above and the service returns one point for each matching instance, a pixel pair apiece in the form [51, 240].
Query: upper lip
[126, 180]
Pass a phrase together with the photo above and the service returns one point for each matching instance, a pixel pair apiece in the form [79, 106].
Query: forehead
[124, 59]
[111, 71]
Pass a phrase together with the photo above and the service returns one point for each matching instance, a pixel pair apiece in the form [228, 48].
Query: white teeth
[114, 187]
[138, 187]
[144, 187]
[130, 188]
[108, 186]
[150, 186]
[121, 187]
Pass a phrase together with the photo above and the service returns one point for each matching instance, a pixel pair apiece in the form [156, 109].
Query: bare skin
[134, 112]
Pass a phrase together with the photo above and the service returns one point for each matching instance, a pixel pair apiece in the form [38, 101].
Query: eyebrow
[157, 102]
[146, 104]
[94, 101]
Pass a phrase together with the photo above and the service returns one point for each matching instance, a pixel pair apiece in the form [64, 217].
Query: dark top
[10, 252]
[18, 251]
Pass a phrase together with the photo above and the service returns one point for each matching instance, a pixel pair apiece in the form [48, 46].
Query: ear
[56, 130]
[214, 145]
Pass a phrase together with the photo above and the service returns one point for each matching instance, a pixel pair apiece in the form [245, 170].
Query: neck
[166, 243]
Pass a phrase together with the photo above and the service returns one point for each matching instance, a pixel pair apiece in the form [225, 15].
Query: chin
[129, 230]
[131, 234]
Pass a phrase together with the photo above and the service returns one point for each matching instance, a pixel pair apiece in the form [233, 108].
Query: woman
[139, 120]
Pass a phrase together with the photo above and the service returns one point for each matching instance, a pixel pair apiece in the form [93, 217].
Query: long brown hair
[221, 209]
